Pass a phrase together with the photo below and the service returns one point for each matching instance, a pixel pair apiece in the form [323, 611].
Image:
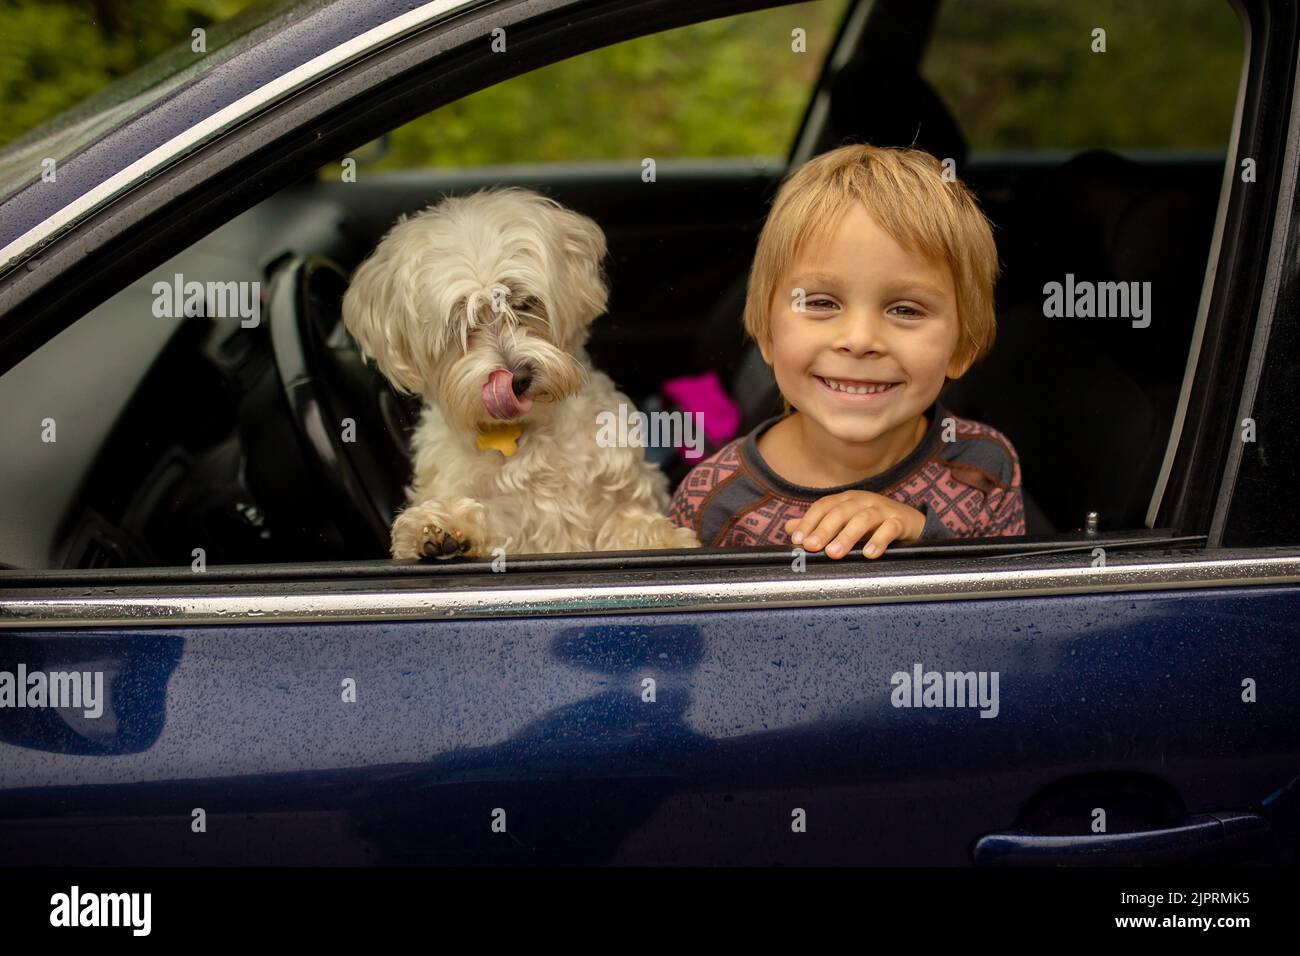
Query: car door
[1101, 697]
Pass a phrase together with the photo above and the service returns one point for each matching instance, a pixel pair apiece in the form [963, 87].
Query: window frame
[271, 149]
[1196, 479]
[1246, 510]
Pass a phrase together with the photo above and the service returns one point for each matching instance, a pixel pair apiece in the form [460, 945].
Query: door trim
[482, 596]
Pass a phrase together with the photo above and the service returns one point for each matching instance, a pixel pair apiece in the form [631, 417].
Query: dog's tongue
[499, 396]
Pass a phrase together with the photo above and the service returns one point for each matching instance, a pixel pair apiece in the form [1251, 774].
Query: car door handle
[1200, 837]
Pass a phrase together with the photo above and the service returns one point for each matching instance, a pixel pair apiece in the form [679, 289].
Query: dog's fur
[422, 307]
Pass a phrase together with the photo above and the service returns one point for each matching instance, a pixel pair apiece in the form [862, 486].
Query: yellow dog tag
[500, 437]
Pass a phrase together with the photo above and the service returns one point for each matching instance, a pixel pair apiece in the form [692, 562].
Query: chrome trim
[237, 111]
[648, 592]
[1207, 284]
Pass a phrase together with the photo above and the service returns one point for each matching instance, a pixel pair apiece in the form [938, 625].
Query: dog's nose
[521, 380]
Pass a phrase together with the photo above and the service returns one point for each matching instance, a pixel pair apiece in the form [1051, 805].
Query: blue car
[208, 658]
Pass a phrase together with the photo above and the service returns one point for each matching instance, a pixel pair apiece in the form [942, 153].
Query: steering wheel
[326, 436]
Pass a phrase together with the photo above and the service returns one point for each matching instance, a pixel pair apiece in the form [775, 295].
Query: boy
[871, 288]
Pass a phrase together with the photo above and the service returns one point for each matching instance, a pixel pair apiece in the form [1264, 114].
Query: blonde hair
[906, 193]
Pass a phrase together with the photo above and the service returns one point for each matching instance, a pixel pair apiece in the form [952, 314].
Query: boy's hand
[840, 521]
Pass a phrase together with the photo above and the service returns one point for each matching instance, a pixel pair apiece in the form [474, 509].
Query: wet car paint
[546, 727]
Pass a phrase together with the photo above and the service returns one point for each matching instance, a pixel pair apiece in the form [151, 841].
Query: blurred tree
[1017, 74]
[55, 53]
[1022, 74]
[727, 87]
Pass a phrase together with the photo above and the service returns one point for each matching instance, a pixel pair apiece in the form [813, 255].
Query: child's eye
[820, 303]
[906, 311]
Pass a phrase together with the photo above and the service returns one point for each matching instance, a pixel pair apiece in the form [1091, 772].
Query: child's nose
[861, 331]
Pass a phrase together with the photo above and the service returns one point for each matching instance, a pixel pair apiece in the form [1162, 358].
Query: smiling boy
[872, 286]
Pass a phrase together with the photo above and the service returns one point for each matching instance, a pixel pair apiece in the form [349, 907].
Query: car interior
[216, 434]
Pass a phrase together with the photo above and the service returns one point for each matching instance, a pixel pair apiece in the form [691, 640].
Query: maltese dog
[481, 305]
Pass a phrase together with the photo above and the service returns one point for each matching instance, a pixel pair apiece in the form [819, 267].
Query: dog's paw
[685, 538]
[419, 534]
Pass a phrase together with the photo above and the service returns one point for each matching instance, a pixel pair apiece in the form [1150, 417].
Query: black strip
[607, 561]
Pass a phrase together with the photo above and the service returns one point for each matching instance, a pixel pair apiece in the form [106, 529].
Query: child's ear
[959, 366]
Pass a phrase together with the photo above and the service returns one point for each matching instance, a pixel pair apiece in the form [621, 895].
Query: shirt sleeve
[1002, 512]
[1005, 507]
[993, 506]
[934, 530]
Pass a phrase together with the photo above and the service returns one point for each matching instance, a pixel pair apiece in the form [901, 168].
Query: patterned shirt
[966, 488]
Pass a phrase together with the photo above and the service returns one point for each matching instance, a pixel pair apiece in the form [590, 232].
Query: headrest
[1128, 221]
[886, 106]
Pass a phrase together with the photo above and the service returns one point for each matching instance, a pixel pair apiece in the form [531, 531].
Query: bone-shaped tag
[502, 438]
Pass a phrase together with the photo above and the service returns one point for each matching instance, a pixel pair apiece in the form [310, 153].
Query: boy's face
[877, 318]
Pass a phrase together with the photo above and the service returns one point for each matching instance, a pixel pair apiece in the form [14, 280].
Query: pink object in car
[705, 394]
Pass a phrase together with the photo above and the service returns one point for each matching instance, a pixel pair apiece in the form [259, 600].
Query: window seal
[597, 562]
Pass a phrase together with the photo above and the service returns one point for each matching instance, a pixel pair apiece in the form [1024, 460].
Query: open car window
[178, 440]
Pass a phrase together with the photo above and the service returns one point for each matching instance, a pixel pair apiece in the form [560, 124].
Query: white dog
[481, 304]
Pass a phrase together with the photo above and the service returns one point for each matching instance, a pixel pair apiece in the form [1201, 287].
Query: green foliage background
[56, 53]
[1021, 74]
[1016, 73]
[730, 87]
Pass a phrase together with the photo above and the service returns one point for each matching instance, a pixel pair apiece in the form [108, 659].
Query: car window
[734, 86]
[1047, 75]
[207, 446]
[1096, 135]
[115, 473]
